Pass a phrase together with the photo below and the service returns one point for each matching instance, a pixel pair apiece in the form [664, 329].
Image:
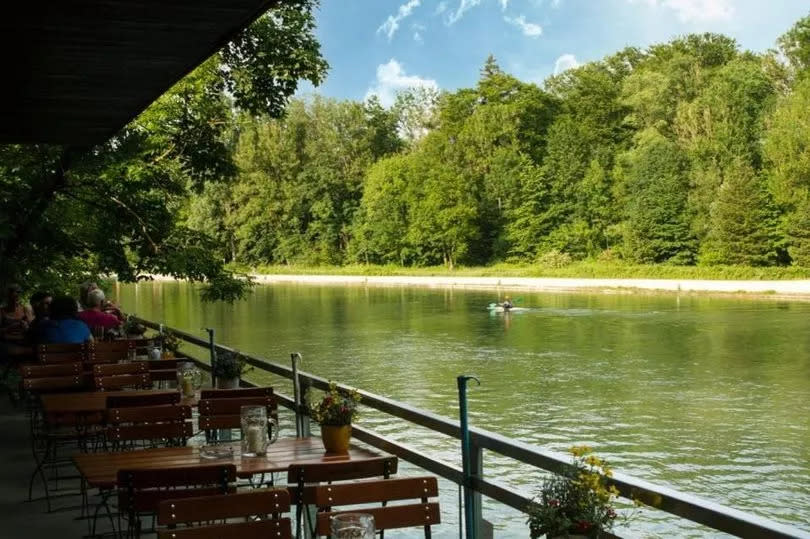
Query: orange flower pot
[336, 438]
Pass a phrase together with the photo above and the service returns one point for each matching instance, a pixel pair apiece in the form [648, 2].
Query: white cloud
[529, 29]
[391, 24]
[391, 78]
[504, 4]
[441, 8]
[463, 7]
[565, 62]
[694, 10]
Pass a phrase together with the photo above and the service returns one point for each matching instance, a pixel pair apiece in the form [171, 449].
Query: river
[708, 395]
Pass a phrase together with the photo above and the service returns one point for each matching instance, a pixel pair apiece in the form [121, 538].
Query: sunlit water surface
[709, 396]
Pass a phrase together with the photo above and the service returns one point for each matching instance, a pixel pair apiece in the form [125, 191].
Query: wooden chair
[107, 352]
[140, 491]
[226, 413]
[48, 437]
[424, 513]
[50, 384]
[163, 369]
[167, 424]
[60, 353]
[268, 505]
[122, 381]
[300, 474]
[154, 399]
[111, 369]
[44, 370]
[236, 393]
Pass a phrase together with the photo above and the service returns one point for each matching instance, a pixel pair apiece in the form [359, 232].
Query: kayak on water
[496, 308]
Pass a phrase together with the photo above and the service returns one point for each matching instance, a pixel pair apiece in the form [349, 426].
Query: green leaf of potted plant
[335, 413]
[229, 368]
[577, 503]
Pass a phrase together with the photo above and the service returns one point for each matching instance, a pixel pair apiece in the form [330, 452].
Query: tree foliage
[118, 207]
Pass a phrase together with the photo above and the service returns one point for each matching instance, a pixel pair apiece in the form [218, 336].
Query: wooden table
[100, 470]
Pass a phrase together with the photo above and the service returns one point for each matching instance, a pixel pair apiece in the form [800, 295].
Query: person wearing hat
[507, 303]
[14, 315]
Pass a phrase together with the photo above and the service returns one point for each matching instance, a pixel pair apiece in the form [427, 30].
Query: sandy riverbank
[793, 289]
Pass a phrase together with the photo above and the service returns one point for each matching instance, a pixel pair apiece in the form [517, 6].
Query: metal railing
[686, 506]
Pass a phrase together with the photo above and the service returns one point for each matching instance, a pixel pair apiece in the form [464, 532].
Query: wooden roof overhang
[75, 71]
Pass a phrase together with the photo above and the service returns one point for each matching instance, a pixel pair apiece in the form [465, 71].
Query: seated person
[93, 315]
[107, 306]
[40, 304]
[63, 326]
[14, 316]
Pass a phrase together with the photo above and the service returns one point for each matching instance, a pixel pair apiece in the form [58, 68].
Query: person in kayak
[507, 303]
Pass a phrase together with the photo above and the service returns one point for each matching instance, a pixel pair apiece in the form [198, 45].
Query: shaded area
[77, 71]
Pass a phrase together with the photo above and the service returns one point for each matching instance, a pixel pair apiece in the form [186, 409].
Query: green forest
[691, 152]
[690, 156]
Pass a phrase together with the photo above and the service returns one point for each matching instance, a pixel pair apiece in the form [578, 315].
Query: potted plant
[335, 413]
[171, 344]
[228, 369]
[576, 503]
[132, 328]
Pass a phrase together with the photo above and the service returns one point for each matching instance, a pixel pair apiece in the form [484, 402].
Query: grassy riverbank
[584, 270]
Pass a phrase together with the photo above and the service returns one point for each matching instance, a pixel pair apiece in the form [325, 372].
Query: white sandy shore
[775, 288]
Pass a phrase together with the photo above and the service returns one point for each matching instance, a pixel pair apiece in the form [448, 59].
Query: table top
[101, 469]
[95, 401]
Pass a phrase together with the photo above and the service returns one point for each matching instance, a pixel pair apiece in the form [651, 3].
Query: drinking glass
[353, 526]
[255, 424]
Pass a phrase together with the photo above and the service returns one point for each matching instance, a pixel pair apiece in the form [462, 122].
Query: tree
[795, 45]
[743, 224]
[657, 229]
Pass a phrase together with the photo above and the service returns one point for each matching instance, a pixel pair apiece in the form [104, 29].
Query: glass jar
[255, 426]
[189, 379]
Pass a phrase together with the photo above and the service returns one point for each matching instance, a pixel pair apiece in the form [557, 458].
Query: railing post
[295, 357]
[305, 385]
[471, 520]
[212, 350]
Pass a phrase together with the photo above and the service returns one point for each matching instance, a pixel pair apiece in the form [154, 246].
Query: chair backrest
[109, 369]
[226, 413]
[107, 351]
[162, 369]
[299, 474]
[169, 423]
[60, 353]
[142, 490]
[152, 399]
[342, 470]
[268, 504]
[40, 370]
[55, 383]
[121, 381]
[425, 513]
[236, 393]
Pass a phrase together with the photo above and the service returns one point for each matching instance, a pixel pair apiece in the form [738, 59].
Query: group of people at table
[48, 319]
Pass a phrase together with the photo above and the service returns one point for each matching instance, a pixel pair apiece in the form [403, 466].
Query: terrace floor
[19, 518]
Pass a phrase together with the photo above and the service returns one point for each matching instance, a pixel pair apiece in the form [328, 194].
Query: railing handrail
[687, 506]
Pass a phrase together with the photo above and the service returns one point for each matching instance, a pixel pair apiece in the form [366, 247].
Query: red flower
[583, 526]
[554, 503]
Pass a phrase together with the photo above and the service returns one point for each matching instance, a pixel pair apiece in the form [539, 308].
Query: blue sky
[382, 46]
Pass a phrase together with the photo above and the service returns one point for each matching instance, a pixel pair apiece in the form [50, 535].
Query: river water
[709, 396]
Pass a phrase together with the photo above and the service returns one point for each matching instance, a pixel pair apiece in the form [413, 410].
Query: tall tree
[743, 223]
[657, 228]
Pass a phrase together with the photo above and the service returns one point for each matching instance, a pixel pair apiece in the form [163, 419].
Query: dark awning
[76, 71]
